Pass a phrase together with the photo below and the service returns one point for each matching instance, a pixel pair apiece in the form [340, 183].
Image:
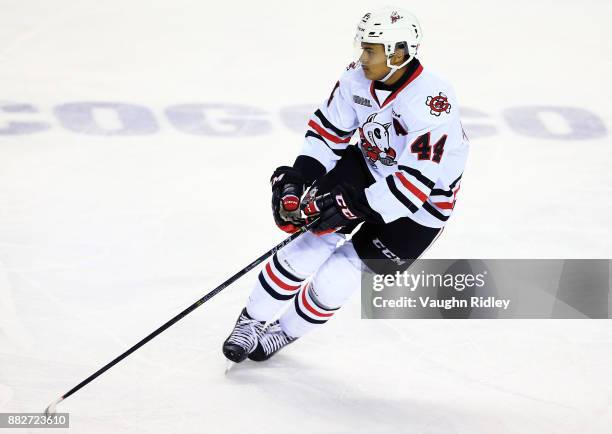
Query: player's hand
[287, 189]
[343, 206]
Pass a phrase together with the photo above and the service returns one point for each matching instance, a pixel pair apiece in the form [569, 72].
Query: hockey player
[399, 181]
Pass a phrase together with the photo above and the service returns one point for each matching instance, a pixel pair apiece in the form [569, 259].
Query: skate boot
[270, 342]
[244, 338]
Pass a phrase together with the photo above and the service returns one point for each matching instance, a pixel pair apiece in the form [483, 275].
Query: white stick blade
[52, 408]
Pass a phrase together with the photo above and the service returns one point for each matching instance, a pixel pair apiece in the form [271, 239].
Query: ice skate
[244, 338]
[270, 342]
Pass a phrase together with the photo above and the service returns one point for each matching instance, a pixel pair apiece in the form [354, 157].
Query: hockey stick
[51, 408]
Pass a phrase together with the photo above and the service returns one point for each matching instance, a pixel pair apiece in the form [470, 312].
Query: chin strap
[394, 67]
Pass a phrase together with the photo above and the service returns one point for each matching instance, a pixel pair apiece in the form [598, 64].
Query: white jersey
[411, 138]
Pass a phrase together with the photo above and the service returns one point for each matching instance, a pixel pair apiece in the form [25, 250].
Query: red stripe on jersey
[444, 205]
[373, 92]
[414, 75]
[391, 97]
[418, 193]
[448, 205]
[310, 308]
[278, 281]
[319, 129]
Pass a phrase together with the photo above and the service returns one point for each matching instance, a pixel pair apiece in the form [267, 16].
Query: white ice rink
[136, 142]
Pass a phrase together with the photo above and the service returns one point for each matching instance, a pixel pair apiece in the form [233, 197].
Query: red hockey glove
[287, 189]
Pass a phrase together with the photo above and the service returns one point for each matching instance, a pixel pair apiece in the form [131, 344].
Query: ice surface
[105, 237]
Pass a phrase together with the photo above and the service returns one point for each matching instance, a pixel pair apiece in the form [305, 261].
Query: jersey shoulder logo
[438, 104]
[375, 146]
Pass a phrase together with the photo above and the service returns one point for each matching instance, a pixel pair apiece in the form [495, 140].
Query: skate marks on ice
[6, 395]
[317, 398]
[11, 327]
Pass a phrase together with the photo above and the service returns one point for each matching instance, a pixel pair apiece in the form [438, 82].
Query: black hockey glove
[343, 206]
[287, 189]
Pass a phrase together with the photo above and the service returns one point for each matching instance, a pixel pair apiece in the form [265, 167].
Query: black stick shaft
[190, 309]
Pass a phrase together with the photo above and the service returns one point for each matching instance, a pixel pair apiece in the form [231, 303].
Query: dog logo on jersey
[438, 104]
[375, 142]
[395, 17]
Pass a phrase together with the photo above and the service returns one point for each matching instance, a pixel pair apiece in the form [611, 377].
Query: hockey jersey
[411, 138]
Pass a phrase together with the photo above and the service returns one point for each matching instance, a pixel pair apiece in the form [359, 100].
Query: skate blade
[228, 366]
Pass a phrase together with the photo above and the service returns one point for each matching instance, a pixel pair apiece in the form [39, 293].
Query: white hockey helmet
[394, 28]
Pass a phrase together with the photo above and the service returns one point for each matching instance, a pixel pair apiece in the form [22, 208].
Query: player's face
[373, 61]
